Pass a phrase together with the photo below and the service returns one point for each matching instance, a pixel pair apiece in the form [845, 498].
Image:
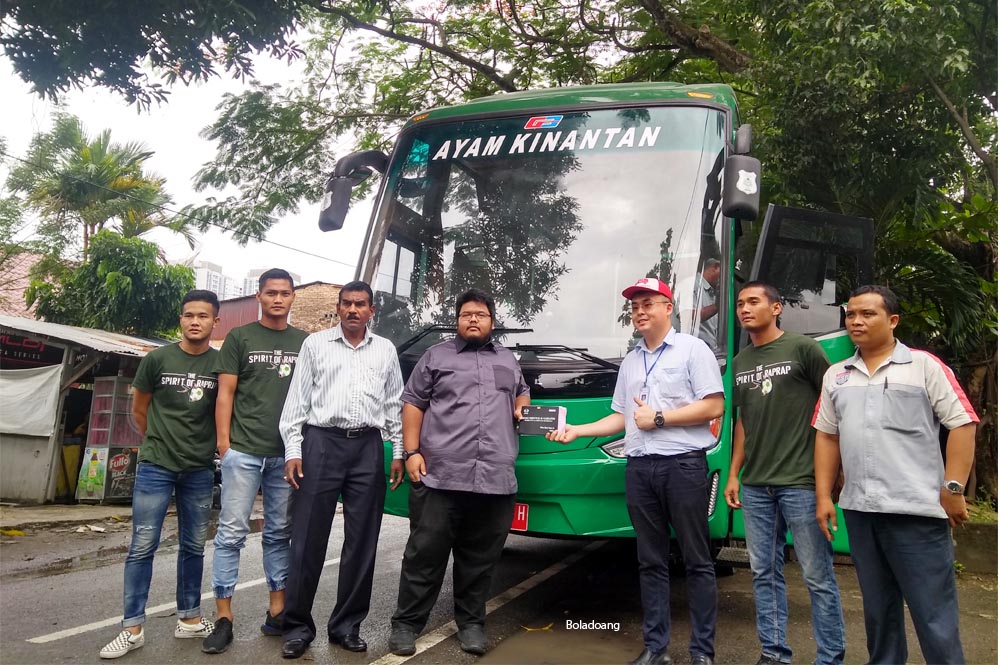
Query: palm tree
[79, 185]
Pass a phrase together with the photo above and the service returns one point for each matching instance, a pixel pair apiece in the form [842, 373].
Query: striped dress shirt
[338, 385]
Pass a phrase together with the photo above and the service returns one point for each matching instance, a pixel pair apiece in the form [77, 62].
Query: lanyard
[645, 380]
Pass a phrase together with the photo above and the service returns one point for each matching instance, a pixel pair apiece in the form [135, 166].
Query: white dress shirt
[339, 385]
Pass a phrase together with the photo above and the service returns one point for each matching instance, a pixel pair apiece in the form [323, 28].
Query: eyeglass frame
[647, 306]
[469, 316]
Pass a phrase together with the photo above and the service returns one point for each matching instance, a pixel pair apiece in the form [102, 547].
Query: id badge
[644, 394]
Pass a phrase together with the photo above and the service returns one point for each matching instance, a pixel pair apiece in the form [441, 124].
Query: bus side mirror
[741, 187]
[350, 171]
[744, 140]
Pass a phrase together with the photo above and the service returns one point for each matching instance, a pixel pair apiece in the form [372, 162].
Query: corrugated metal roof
[91, 338]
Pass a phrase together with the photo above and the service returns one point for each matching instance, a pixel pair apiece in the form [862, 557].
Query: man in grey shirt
[460, 446]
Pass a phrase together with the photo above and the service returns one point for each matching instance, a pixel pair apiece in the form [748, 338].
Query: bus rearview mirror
[741, 187]
[336, 201]
[349, 172]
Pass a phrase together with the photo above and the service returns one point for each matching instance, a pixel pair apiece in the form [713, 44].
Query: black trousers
[661, 492]
[473, 528]
[332, 466]
[906, 558]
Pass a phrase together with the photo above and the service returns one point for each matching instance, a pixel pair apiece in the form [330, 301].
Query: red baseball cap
[648, 284]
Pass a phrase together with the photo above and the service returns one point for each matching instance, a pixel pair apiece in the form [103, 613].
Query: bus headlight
[615, 449]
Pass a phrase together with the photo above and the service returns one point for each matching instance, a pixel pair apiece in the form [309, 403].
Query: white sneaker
[201, 630]
[122, 644]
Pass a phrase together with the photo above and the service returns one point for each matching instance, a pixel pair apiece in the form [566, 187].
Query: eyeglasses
[648, 306]
[469, 316]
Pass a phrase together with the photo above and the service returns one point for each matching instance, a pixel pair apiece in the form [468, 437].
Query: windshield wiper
[552, 349]
[442, 328]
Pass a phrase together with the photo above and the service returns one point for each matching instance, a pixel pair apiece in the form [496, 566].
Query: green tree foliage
[369, 66]
[78, 185]
[61, 44]
[888, 110]
[121, 287]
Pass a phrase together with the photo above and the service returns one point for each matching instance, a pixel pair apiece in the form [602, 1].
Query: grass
[981, 512]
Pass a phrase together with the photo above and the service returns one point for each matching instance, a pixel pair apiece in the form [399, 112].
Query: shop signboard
[93, 471]
[121, 473]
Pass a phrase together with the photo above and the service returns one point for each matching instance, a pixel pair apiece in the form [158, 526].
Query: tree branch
[698, 41]
[489, 72]
[970, 137]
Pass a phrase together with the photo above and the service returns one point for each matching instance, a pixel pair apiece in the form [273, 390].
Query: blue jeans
[661, 492]
[769, 513]
[911, 558]
[242, 476]
[154, 486]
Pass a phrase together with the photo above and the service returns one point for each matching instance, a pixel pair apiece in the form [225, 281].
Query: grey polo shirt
[888, 422]
[467, 395]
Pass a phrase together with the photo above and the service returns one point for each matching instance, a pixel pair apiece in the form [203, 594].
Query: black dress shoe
[402, 641]
[350, 642]
[294, 648]
[648, 657]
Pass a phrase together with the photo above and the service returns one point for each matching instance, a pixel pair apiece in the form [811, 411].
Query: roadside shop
[66, 429]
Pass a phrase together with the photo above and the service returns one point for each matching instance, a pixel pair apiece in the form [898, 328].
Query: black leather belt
[354, 433]
[688, 455]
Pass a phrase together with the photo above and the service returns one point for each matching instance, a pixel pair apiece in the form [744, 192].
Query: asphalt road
[64, 609]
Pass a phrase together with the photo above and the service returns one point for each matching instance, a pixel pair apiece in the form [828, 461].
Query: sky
[171, 131]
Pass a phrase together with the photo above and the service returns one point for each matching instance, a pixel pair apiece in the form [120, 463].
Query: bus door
[815, 259]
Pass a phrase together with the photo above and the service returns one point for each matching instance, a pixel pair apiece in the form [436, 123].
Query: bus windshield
[554, 215]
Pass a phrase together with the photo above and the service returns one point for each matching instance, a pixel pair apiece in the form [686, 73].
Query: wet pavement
[62, 591]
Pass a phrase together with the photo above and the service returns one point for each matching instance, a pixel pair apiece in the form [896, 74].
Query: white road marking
[433, 638]
[70, 632]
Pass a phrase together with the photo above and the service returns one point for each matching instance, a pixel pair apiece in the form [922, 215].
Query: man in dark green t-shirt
[173, 405]
[255, 369]
[777, 380]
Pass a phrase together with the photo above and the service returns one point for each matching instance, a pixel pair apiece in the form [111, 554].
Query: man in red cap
[669, 388]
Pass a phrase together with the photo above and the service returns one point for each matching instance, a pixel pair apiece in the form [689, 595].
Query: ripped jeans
[154, 486]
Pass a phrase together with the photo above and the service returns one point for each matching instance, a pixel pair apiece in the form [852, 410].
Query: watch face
[954, 487]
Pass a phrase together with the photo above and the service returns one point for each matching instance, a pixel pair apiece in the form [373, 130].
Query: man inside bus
[879, 416]
[460, 456]
[776, 383]
[668, 390]
[704, 294]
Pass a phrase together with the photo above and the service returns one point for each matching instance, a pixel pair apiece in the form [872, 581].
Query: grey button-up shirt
[467, 395]
[887, 422]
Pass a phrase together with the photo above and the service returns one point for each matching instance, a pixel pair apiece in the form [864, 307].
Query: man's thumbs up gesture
[644, 415]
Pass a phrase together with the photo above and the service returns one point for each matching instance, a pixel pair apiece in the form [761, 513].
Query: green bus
[554, 201]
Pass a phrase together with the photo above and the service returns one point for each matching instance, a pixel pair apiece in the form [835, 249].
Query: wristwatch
[407, 454]
[658, 419]
[954, 487]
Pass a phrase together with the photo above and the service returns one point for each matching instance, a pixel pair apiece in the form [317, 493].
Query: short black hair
[476, 295]
[356, 285]
[769, 290]
[201, 295]
[889, 299]
[274, 273]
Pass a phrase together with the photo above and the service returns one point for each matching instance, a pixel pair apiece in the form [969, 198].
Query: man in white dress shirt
[344, 401]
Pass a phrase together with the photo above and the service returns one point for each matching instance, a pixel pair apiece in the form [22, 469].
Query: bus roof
[587, 95]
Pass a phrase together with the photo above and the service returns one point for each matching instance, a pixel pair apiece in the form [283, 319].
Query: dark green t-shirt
[180, 423]
[776, 388]
[263, 361]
